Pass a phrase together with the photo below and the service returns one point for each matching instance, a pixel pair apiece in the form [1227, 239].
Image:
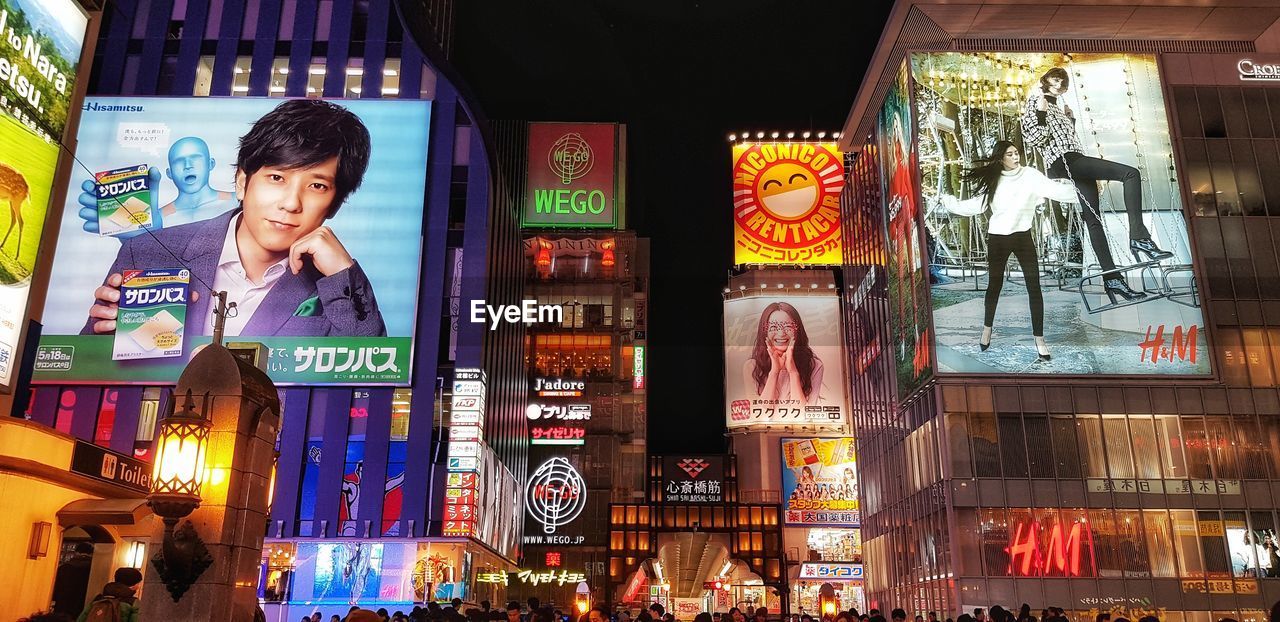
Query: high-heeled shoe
[984, 345]
[1118, 287]
[1149, 247]
[1043, 353]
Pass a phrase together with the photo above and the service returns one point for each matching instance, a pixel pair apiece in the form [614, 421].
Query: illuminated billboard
[41, 46]
[786, 203]
[820, 482]
[906, 269]
[26, 181]
[572, 178]
[329, 287]
[783, 362]
[1053, 216]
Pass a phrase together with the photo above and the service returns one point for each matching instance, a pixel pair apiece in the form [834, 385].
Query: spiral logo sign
[556, 494]
[572, 179]
[570, 157]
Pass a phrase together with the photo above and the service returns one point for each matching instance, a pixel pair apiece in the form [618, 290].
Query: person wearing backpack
[117, 602]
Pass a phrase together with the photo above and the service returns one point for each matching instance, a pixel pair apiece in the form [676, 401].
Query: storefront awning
[103, 512]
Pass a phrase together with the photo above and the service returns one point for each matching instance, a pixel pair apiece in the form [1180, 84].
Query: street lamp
[180, 449]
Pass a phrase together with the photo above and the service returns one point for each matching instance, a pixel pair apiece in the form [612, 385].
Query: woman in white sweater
[1012, 192]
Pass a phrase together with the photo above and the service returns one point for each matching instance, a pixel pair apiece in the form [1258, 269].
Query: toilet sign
[105, 465]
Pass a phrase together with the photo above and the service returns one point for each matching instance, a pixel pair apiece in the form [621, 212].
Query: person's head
[702, 617]
[189, 164]
[933, 615]
[762, 613]
[457, 604]
[668, 617]
[128, 577]
[1148, 619]
[484, 605]
[979, 614]
[919, 618]
[1055, 81]
[335, 618]
[1024, 610]
[1102, 617]
[315, 617]
[363, 615]
[598, 614]
[781, 328]
[657, 610]
[295, 168]
[534, 604]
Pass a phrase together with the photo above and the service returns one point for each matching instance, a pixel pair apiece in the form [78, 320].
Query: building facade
[333, 539]
[1133, 472]
[585, 373]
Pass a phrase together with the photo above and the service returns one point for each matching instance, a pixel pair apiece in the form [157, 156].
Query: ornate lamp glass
[180, 449]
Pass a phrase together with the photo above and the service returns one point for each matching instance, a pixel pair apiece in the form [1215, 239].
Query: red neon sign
[1061, 557]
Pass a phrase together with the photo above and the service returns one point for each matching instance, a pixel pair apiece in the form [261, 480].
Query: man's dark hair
[301, 133]
[128, 576]
[533, 603]
[898, 614]
[456, 602]
[513, 605]
[1056, 72]
[658, 608]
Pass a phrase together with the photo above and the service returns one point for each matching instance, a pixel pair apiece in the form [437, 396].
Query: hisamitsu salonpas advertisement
[306, 212]
[1054, 225]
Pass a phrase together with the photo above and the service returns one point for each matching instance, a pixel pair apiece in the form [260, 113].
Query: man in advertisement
[284, 270]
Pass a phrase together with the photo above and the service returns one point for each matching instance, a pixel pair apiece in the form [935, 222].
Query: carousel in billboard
[1052, 219]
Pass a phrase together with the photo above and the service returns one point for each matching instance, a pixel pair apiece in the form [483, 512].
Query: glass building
[1135, 471]
[336, 440]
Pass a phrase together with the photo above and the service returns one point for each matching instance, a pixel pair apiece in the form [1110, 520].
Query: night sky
[682, 75]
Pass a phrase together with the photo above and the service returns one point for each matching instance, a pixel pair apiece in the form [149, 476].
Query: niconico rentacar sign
[571, 180]
[786, 203]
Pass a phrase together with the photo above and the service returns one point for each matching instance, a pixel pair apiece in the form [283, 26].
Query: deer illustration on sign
[13, 188]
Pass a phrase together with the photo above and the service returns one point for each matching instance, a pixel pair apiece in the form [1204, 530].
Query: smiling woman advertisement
[303, 211]
[782, 361]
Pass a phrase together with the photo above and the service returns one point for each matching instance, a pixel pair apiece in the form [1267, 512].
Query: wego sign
[786, 203]
[572, 175]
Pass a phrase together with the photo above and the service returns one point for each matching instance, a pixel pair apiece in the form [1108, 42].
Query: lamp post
[180, 450]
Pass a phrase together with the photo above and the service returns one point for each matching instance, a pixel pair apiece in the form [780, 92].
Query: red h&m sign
[1063, 551]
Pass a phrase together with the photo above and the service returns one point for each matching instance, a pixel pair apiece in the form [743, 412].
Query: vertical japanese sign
[467, 418]
[693, 479]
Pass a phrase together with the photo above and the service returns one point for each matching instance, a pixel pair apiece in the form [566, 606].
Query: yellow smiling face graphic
[788, 190]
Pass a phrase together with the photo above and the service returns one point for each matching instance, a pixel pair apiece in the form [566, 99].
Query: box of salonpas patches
[153, 310]
[124, 200]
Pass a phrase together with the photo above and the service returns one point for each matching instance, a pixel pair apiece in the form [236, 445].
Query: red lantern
[543, 260]
[607, 259]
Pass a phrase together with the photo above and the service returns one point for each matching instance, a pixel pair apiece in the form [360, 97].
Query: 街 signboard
[204, 203]
[786, 203]
[572, 176]
[693, 479]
